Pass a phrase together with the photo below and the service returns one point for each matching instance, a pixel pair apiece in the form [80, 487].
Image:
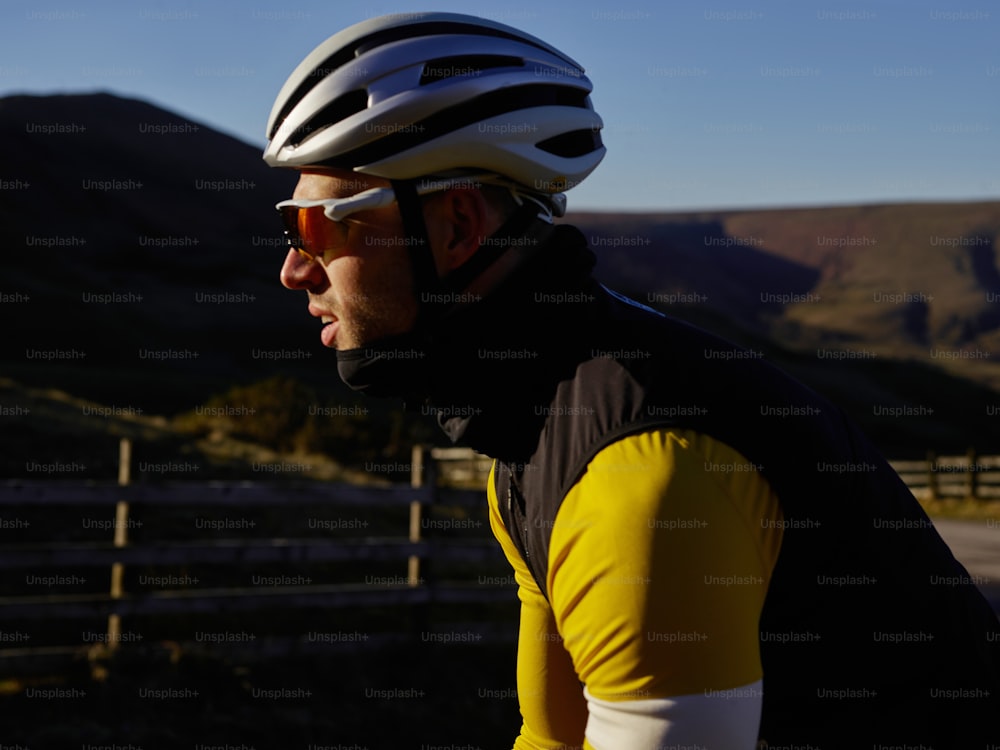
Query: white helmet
[408, 96]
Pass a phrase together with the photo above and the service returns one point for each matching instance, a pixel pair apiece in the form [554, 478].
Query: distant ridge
[862, 274]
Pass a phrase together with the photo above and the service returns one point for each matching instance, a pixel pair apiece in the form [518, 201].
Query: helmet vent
[465, 65]
[572, 144]
[339, 109]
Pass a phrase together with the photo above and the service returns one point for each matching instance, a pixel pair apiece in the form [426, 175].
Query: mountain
[143, 253]
[141, 248]
[903, 279]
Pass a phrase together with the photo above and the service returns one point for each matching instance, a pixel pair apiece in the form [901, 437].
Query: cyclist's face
[365, 292]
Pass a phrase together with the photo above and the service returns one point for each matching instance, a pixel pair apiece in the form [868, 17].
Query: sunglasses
[316, 228]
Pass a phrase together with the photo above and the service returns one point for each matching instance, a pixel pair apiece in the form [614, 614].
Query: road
[976, 544]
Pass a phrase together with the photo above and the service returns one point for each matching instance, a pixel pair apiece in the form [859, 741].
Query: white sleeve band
[713, 720]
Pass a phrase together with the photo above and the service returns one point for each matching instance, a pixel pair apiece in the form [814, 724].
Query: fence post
[422, 475]
[418, 478]
[973, 473]
[121, 539]
[932, 487]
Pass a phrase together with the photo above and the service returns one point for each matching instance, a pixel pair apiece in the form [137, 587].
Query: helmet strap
[425, 277]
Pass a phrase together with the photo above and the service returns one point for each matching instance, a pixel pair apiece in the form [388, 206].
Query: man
[693, 572]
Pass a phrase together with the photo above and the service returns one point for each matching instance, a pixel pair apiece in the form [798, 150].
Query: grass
[398, 696]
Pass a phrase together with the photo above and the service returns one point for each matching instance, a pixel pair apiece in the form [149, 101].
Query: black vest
[861, 573]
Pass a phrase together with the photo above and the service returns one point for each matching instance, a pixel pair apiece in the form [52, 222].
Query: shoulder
[668, 479]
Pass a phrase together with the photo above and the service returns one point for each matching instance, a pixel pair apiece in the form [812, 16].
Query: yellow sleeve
[659, 563]
[553, 710]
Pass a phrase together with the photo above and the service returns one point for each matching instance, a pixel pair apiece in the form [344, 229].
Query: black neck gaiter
[483, 367]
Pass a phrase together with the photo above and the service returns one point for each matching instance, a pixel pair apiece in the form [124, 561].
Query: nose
[299, 273]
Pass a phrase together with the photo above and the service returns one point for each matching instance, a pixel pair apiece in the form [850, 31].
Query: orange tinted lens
[320, 235]
[313, 233]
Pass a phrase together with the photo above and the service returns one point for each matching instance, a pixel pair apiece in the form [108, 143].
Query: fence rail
[232, 600]
[940, 477]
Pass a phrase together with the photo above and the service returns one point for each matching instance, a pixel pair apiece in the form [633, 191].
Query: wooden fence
[415, 584]
[941, 477]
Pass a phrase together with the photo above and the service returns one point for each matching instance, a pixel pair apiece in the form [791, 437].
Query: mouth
[330, 325]
[329, 333]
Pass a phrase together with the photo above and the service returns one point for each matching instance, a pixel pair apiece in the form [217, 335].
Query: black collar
[489, 368]
[496, 367]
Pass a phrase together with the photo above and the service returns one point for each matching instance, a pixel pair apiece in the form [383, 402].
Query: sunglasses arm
[365, 201]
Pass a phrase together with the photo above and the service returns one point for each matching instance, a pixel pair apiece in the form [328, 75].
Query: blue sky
[706, 105]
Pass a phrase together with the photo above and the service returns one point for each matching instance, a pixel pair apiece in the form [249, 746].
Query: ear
[457, 222]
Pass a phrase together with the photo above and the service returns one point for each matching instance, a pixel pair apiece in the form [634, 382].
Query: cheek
[385, 277]
[374, 285]
[347, 283]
